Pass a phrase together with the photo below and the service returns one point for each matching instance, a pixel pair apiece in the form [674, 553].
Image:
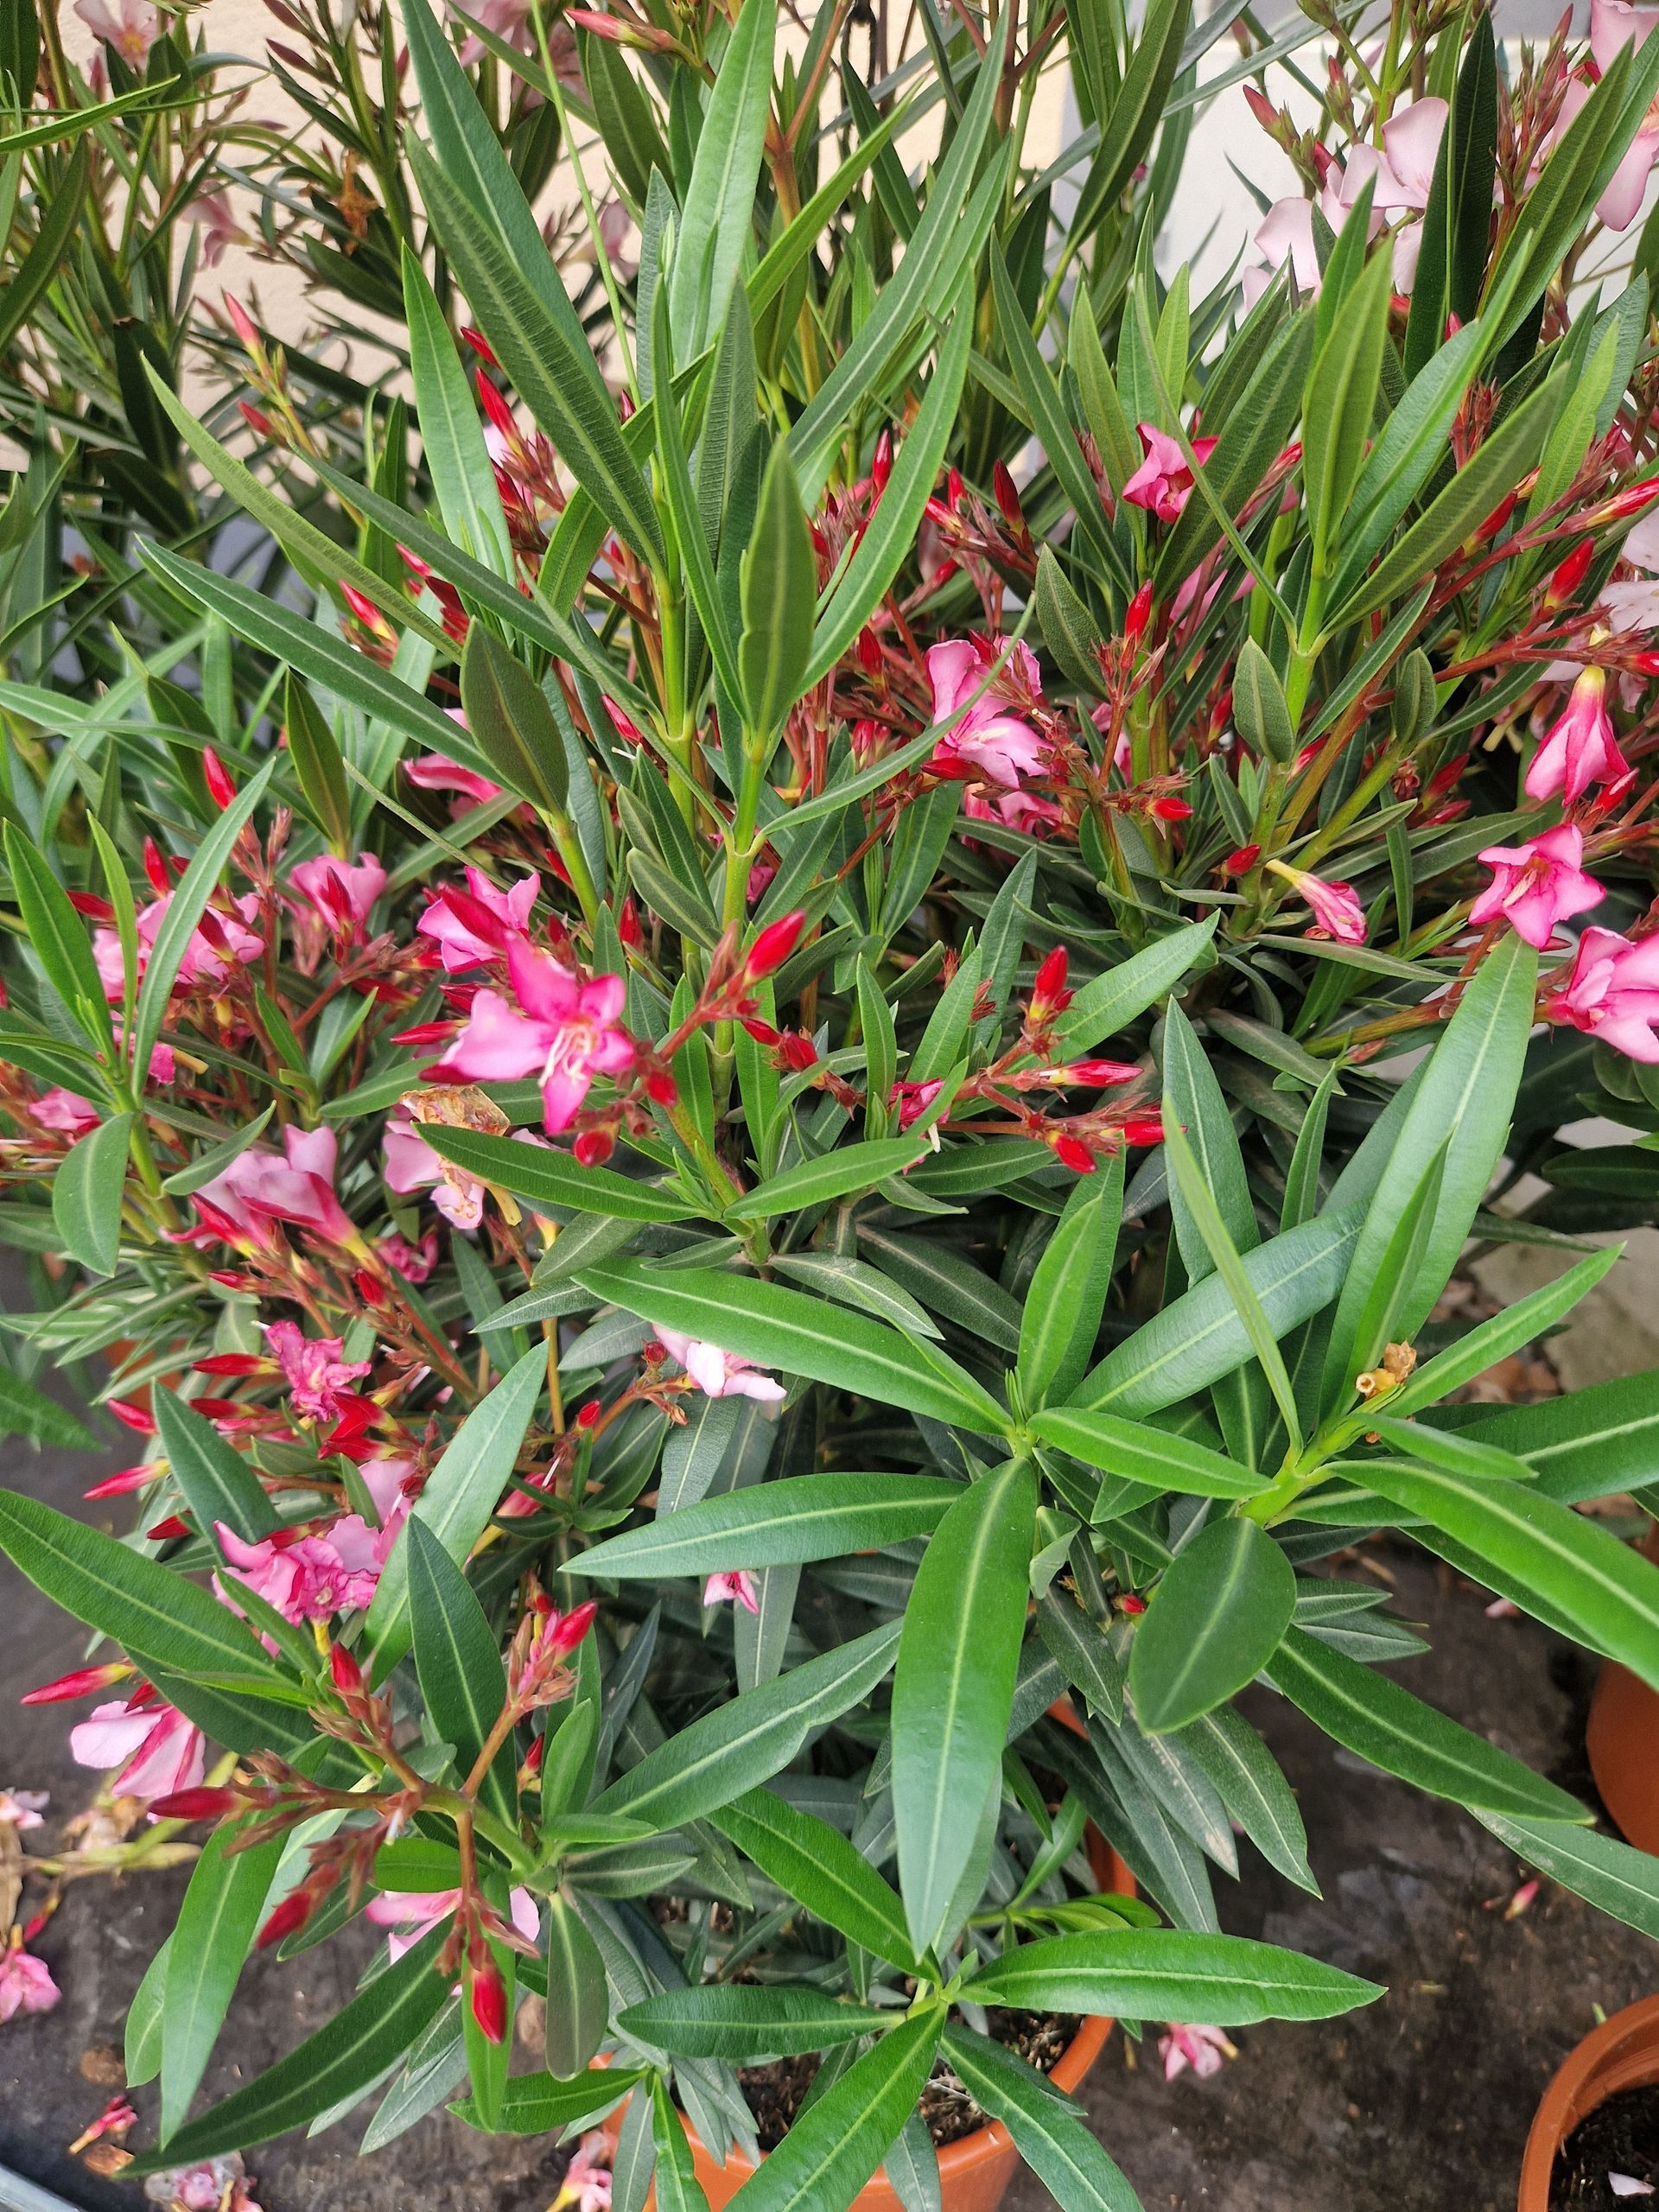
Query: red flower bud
[1129, 1603]
[196, 1805]
[1139, 615]
[594, 1146]
[1101, 1075]
[661, 1087]
[233, 1362]
[221, 782]
[1498, 517]
[1008, 498]
[773, 946]
[94, 908]
[799, 1053]
[129, 1478]
[479, 344]
[83, 1682]
[1148, 1129]
[882, 462]
[1242, 862]
[288, 1919]
[346, 1674]
[1073, 1153]
[589, 1416]
[488, 1994]
[257, 420]
[627, 925]
[1048, 992]
[573, 1626]
[869, 652]
[1171, 809]
[164, 1531]
[156, 869]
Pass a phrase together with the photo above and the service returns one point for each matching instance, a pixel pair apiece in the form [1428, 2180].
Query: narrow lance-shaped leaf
[1215, 1618]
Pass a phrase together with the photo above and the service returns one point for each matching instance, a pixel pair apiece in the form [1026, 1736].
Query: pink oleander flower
[410, 1913]
[1400, 172]
[22, 1808]
[310, 1577]
[1202, 2048]
[471, 926]
[131, 27]
[1611, 992]
[1615, 24]
[1580, 749]
[68, 1110]
[988, 737]
[720, 1374]
[1536, 885]
[413, 1262]
[1337, 910]
[314, 1370]
[733, 1586]
[211, 212]
[26, 1983]
[341, 891]
[412, 1165]
[587, 2184]
[435, 771]
[214, 2185]
[564, 1030]
[1163, 483]
[218, 941]
[259, 1187]
[1027, 811]
[158, 1750]
[913, 1100]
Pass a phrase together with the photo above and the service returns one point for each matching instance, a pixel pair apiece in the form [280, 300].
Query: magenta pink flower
[733, 1586]
[1026, 811]
[473, 925]
[721, 1374]
[26, 1983]
[259, 1187]
[341, 891]
[158, 1750]
[414, 1263]
[1163, 483]
[68, 1110]
[988, 737]
[1201, 2048]
[314, 1370]
[1536, 885]
[436, 772]
[564, 1030]
[1580, 749]
[1337, 910]
[913, 1100]
[410, 1913]
[217, 942]
[131, 27]
[312, 1578]
[1611, 992]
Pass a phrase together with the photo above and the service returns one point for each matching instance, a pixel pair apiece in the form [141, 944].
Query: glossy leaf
[545, 1178]
[459, 1666]
[217, 1482]
[740, 2021]
[1067, 1295]
[1170, 1974]
[779, 1524]
[1215, 1618]
[217, 1922]
[837, 2143]
[87, 1194]
[809, 1859]
[1049, 2130]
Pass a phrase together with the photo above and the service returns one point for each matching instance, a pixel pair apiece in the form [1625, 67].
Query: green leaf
[1549, 1559]
[1199, 1203]
[1050, 2130]
[815, 1182]
[1215, 1618]
[1260, 707]
[217, 1482]
[810, 1860]
[56, 935]
[1394, 1288]
[216, 1925]
[577, 2000]
[1067, 1295]
[677, 2186]
[1341, 402]
[837, 2143]
[1136, 1451]
[779, 587]
[459, 1664]
[185, 909]
[143, 2040]
[1247, 1779]
[1457, 225]
[778, 1524]
[544, 1178]
[461, 1494]
[762, 1321]
[1370, 1715]
[25, 1411]
[1199, 1337]
[60, 212]
[539, 2104]
[746, 2020]
[1492, 1340]
[463, 480]
[1127, 132]
[156, 1617]
[1606, 1873]
[744, 1743]
[315, 755]
[87, 1194]
[1112, 1000]
[1170, 1974]
[339, 2062]
[511, 722]
[953, 1689]
[718, 218]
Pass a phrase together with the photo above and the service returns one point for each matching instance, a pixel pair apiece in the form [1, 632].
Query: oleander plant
[759, 1094]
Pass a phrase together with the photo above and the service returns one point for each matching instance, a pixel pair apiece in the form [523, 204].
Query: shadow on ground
[1421, 2104]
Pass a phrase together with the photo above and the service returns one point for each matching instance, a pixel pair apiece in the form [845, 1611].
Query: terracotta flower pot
[1622, 2054]
[975, 2171]
[1622, 1741]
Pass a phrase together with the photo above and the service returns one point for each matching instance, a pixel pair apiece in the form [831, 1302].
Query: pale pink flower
[314, 1370]
[473, 925]
[1615, 24]
[22, 1808]
[217, 941]
[587, 2184]
[131, 27]
[1285, 234]
[1538, 884]
[435, 771]
[562, 1029]
[1337, 910]
[412, 1165]
[158, 1750]
[1581, 749]
[988, 737]
[341, 891]
[259, 1186]
[734, 1585]
[214, 2185]
[1411, 146]
[1613, 992]
[1163, 483]
[26, 1983]
[509, 20]
[721, 1374]
[410, 1913]
[1628, 2185]
[211, 213]
[68, 1110]
[1202, 2048]
[1633, 603]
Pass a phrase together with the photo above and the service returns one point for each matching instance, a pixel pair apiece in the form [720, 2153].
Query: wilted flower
[22, 1808]
[211, 213]
[1337, 910]
[1202, 2048]
[473, 925]
[26, 1983]
[409, 1914]
[587, 2184]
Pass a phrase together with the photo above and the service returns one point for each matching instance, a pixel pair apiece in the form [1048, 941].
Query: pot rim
[1623, 2053]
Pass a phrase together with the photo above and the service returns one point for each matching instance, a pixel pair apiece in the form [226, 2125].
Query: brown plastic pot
[975, 2171]
[1623, 1742]
[1622, 2054]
